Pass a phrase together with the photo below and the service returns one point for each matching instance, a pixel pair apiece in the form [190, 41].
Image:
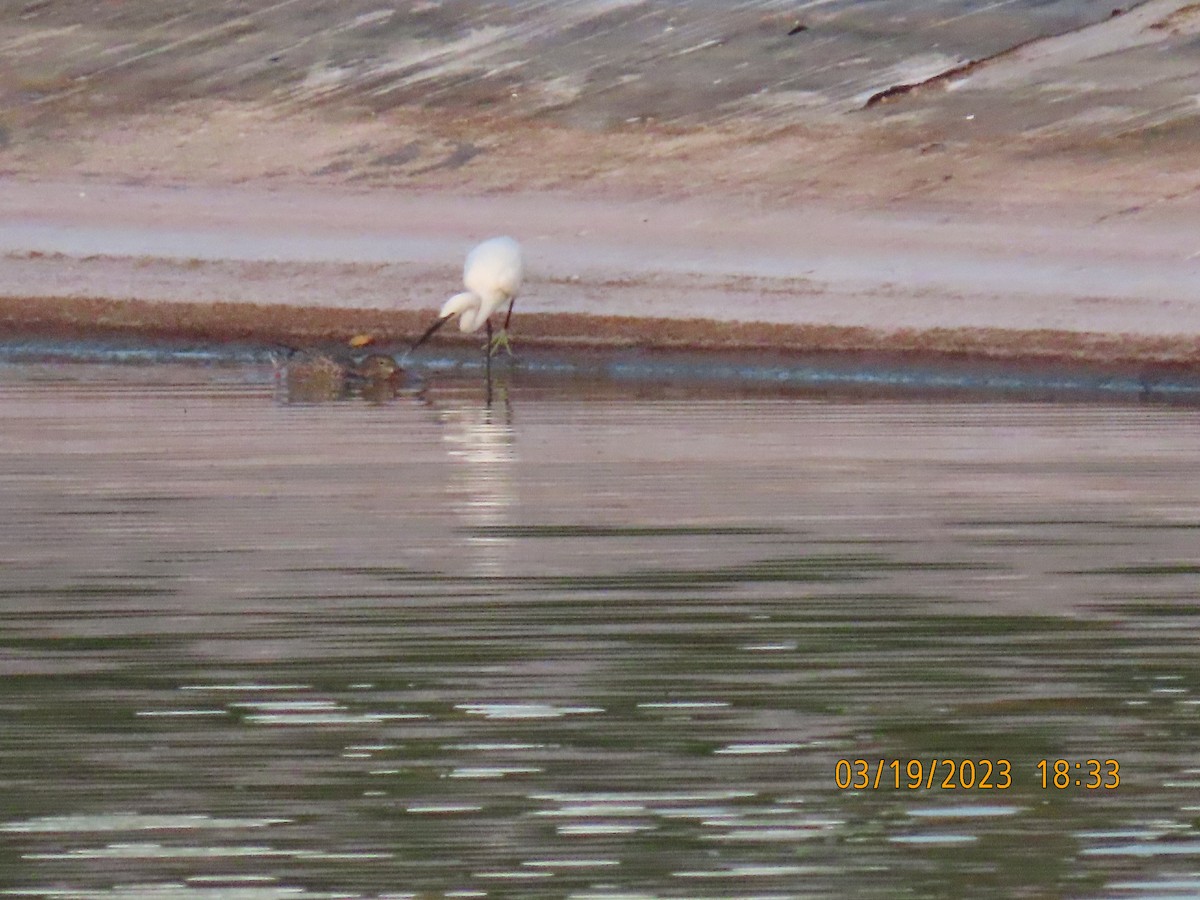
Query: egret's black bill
[432, 328]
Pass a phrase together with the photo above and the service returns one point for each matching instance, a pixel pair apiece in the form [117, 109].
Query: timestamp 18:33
[972, 774]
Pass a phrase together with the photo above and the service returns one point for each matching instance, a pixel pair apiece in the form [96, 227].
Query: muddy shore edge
[82, 319]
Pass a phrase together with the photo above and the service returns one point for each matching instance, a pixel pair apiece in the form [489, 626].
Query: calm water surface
[588, 643]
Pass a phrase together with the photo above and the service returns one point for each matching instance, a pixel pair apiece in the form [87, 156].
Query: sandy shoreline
[305, 263]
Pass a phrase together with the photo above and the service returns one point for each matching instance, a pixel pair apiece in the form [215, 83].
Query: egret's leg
[501, 341]
[487, 363]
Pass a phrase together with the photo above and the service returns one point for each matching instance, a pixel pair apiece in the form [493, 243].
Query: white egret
[492, 275]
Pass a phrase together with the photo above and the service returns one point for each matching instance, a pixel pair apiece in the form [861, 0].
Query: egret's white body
[492, 276]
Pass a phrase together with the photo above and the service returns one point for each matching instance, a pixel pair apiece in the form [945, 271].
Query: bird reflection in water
[478, 437]
[482, 490]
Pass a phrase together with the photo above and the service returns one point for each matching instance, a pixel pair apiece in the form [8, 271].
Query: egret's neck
[468, 307]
